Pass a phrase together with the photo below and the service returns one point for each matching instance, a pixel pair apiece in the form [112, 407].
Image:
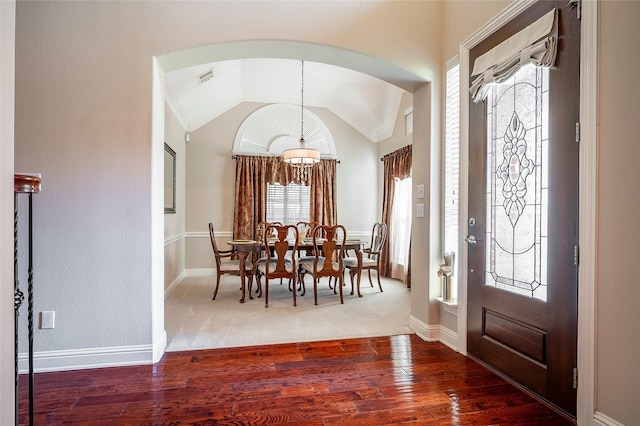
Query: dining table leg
[359, 257]
[242, 257]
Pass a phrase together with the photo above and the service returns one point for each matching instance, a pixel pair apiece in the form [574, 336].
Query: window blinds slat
[452, 159]
[288, 204]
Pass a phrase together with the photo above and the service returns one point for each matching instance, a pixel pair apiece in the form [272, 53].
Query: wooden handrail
[23, 183]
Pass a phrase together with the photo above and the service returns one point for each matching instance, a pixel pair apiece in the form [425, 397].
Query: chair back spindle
[277, 263]
[328, 254]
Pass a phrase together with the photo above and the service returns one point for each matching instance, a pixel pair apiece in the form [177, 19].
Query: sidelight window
[400, 236]
[452, 158]
[451, 170]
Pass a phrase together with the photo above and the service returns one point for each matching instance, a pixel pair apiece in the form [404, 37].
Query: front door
[523, 214]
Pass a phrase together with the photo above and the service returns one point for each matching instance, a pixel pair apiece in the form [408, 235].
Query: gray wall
[618, 292]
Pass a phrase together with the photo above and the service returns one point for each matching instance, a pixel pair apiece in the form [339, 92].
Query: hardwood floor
[374, 381]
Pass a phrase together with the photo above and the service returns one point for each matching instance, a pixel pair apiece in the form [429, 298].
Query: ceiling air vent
[205, 76]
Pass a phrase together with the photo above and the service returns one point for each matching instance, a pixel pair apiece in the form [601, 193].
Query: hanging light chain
[302, 159]
[302, 106]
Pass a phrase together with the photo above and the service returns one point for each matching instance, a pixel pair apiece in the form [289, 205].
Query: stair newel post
[24, 184]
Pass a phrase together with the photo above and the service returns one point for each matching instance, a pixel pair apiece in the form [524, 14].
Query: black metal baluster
[30, 303]
[18, 296]
[24, 184]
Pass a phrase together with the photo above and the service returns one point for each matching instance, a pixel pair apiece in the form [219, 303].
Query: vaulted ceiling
[368, 104]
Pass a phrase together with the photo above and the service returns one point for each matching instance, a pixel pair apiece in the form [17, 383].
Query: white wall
[463, 18]
[7, 61]
[84, 80]
[398, 137]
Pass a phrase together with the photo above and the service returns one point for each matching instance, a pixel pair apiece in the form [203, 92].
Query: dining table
[244, 248]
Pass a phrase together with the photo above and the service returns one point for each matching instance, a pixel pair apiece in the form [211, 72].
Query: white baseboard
[449, 338]
[434, 333]
[600, 419]
[174, 284]
[201, 272]
[429, 333]
[80, 359]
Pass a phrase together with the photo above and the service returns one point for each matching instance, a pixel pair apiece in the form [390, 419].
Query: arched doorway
[292, 50]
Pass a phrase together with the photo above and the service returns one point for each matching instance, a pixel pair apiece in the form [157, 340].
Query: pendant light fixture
[302, 159]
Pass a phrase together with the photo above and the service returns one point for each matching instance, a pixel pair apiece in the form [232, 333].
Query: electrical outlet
[47, 319]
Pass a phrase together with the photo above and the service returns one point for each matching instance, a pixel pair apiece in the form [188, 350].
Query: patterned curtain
[397, 165]
[323, 194]
[253, 173]
[251, 191]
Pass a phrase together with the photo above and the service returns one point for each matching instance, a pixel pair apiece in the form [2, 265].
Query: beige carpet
[194, 321]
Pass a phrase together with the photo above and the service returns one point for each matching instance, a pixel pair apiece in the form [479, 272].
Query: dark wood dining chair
[305, 229]
[225, 265]
[371, 259]
[305, 233]
[278, 263]
[327, 261]
[261, 231]
[261, 227]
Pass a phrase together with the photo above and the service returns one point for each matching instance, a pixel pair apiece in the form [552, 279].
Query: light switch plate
[420, 191]
[419, 210]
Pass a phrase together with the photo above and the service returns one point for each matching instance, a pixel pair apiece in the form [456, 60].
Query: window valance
[536, 44]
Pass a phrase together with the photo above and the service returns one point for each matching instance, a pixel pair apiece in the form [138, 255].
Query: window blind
[452, 158]
[288, 204]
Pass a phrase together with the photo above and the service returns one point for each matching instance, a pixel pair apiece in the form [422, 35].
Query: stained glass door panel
[517, 183]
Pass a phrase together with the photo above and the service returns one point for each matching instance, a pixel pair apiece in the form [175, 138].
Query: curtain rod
[235, 157]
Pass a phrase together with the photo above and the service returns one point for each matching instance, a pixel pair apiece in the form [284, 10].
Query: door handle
[471, 239]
